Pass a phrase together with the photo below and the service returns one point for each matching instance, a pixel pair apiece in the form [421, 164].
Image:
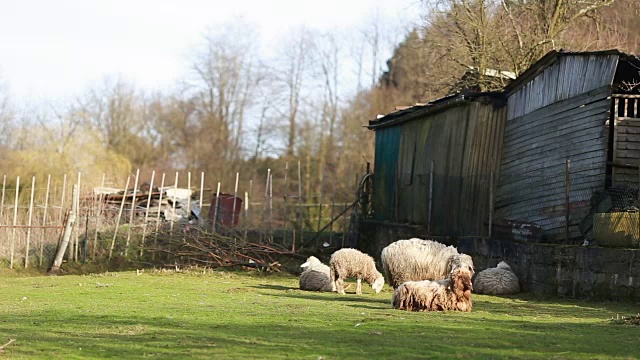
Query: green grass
[222, 315]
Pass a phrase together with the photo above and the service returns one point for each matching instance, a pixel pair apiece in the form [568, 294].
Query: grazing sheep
[347, 263]
[417, 259]
[453, 293]
[315, 276]
[500, 280]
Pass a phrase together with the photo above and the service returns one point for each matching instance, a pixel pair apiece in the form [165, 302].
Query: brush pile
[194, 246]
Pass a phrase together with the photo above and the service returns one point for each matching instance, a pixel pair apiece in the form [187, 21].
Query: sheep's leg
[340, 286]
[359, 287]
[332, 278]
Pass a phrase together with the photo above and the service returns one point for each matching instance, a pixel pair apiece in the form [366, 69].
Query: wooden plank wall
[627, 139]
[536, 147]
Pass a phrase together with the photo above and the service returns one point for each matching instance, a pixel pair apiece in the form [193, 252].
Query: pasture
[231, 315]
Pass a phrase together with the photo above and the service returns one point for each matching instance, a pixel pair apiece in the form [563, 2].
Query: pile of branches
[190, 246]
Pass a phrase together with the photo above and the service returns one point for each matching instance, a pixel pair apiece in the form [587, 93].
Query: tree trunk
[57, 262]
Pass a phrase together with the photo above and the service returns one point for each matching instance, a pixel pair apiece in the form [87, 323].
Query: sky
[55, 50]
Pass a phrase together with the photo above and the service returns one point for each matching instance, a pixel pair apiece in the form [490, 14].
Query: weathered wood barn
[564, 108]
[580, 106]
[443, 151]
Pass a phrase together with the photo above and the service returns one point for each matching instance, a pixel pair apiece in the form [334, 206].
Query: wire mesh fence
[114, 222]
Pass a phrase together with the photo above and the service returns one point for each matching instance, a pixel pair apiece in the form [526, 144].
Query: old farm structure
[451, 166]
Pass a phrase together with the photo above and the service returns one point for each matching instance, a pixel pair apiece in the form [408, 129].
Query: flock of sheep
[426, 275]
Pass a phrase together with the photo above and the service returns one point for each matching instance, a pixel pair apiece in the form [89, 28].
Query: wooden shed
[577, 106]
[433, 163]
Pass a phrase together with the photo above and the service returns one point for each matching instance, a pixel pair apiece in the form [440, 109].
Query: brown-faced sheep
[417, 259]
[453, 293]
[500, 280]
[347, 263]
[315, 276]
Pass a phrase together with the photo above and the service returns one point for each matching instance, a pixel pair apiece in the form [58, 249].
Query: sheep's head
[461, 282]
[460, 261]
[378, 284]
[504, 265]
[311, 260]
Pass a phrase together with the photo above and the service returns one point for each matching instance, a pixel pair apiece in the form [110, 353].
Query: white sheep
[315, 276]
[500, 280]
[347, 263]
[417, 259]
[453, 293]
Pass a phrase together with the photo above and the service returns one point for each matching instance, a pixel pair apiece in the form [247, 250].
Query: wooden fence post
[235, 195]
[15, 223]
[66, 236]
[215, 210]
[44, 220]
[115, 231]
[146, 213]
[30, 223]
[133, 211]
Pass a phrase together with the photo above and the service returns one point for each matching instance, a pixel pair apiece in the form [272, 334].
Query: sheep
[453, 293]
[417, 259]
[500, 280]
[315, 276]
[348, 262]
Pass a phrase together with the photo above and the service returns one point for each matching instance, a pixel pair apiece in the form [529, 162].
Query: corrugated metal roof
[420, 110]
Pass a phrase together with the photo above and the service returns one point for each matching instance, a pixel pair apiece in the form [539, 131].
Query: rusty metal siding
[384, 179]
[568, 77]
[464, 142]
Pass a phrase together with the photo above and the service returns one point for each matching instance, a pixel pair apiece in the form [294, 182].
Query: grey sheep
[416, 259]
[315, 276]
[347, 263]
[500, 280]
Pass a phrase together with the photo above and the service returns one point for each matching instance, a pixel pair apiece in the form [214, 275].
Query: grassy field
[222, 315]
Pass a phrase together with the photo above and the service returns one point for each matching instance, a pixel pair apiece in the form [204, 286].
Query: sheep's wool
[500, 280]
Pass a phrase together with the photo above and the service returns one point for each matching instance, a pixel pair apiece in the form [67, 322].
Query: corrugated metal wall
[570, 76]
[384, 180]
[464, 143]
[536, 146]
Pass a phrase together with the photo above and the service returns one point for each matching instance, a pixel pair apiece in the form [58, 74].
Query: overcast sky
[55, 49]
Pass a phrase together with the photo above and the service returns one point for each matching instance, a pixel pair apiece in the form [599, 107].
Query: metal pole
[115, 231]
[431, 176]
[15, 222]
[30, 222]
[490, 203]
[284, 211]
[146, 213]
[133, 211]
[44, 220]
[567, 199]
[320, 199]
[300, 204]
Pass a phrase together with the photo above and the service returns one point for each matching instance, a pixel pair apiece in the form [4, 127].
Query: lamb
[347, 263]
[417, 259]
[453, 293]
[500, 280]
[315, 276]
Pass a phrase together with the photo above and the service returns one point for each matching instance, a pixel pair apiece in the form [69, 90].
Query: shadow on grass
[428, 335]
